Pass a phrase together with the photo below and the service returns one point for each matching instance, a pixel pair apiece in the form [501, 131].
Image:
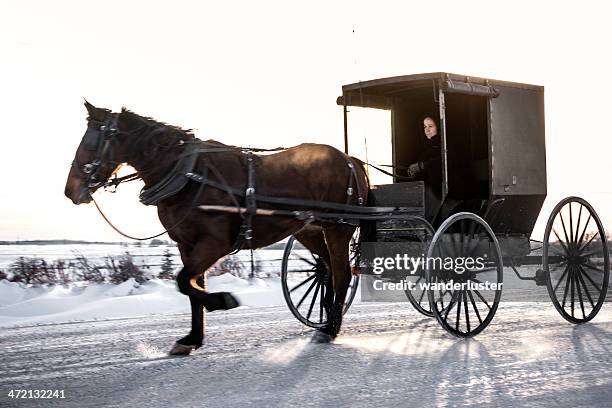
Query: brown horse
[306, 172]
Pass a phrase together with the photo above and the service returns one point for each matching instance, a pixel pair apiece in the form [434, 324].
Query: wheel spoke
[584, 229]
[306, 294]
[596, 252]
[301, 270]
[571, 232]
[561, 278]
[586, 275]
[592, 267]
[587, 244]
[474, 306]
[458, 311]
[467, 314]
[450, 305]
[482, 298]
[303, 282]
[578, 225]
[567, 284]
[577, 283]
[586, 290]
[421, 297]
[441, 298]
[561, 242]
[314, 298]
[301, 258]
[563, 225]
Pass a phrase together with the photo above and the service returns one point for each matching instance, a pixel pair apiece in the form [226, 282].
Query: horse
[169, 159]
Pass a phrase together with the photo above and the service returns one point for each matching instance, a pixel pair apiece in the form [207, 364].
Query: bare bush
[63, 276]
[32, 271]
[86, 271]
[122, 268]
[230, 264]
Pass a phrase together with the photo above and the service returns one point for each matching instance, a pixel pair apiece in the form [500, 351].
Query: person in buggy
[428, 168]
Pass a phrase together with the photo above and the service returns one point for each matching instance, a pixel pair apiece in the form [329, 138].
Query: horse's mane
[153, 123]
[172, 130]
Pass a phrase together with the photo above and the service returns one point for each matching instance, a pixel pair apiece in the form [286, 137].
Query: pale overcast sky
[268, 74]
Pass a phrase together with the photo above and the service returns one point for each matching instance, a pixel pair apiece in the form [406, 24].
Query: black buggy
[491, 187]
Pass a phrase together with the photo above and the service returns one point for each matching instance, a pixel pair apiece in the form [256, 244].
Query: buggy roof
[396, 86]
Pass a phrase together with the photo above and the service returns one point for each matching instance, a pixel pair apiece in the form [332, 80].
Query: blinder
[97, 138]
[92, 137]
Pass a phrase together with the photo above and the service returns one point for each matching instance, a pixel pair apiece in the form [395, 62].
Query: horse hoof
[319, 338]
[181, 349]
[229, 301]
[221, 301]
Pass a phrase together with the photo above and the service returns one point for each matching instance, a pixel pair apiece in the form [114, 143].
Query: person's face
[430, 128]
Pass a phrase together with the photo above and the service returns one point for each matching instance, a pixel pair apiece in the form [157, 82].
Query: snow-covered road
[387, 355]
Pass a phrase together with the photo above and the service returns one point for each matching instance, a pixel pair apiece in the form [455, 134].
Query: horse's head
[96, 158]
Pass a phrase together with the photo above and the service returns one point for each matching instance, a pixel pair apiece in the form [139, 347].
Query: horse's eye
[87, 168]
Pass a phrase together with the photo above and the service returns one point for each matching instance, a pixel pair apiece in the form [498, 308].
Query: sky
[267, 74]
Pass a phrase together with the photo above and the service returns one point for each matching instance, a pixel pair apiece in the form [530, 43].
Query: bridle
[98, 138]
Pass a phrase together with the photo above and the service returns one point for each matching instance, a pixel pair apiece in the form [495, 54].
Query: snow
[106, 345]
[22, 305]
[386, 355]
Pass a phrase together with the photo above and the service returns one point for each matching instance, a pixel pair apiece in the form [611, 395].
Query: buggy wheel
[476, 266]
[306, 279]
[575, 259]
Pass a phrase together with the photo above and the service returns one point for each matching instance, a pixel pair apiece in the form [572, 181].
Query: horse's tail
[368, 227]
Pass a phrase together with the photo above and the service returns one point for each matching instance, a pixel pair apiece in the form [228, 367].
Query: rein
[179, 222]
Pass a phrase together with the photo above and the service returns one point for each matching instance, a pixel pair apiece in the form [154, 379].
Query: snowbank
[21, 305]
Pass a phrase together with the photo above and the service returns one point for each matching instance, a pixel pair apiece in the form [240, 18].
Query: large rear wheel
[575, 259]
[464, 271]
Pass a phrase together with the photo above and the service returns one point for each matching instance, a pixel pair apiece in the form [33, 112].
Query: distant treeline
[154, 242]
[57, 242]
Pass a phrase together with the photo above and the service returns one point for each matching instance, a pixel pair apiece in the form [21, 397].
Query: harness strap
[349, 191]
[245, 236]
[250, 200]
[290, 201]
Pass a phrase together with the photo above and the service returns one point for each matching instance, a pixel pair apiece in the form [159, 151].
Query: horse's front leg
[189, 285]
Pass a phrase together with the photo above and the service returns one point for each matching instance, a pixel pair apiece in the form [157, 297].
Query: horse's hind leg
[337, 238]
[196, 264]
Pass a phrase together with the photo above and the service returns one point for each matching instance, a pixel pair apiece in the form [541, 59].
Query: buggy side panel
[518, 151]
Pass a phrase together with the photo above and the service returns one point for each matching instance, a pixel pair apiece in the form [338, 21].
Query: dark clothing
[431, 158]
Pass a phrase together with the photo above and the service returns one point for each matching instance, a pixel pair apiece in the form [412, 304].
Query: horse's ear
[90, 108]
[94, 113]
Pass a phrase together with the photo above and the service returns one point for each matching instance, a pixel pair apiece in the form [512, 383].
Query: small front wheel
[306, 279]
